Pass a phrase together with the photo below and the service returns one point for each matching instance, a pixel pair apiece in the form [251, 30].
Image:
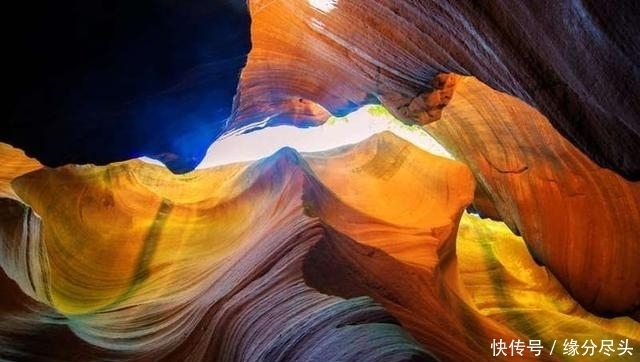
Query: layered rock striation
[574, 61]
[357, 253]
[578, 219]
[96, 83]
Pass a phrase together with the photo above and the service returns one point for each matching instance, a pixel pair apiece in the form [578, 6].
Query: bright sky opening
[336, 132]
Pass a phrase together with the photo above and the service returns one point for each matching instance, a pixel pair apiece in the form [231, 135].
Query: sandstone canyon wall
[575, 61]
[358, 253]
[578, 219]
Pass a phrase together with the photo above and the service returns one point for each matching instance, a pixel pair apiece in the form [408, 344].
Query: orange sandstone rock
[579, 220]
[13, 163]
[348, 254]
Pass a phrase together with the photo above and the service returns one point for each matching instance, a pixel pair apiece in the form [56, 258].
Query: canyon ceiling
[364, 252]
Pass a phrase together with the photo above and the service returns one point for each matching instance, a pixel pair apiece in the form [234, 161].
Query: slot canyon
[518, 240]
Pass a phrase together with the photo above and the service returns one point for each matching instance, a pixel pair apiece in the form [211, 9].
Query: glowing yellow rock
[281, 258]
[13, 163]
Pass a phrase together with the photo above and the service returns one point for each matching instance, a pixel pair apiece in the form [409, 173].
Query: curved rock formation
[575, 61]
[289, 258]
[14, 163]
[116, 244]
[578, 219]
[344, 255]
[104, 83]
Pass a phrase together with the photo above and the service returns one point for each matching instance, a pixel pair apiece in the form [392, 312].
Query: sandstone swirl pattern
[574, 61]
[344, 255]
[578, 219]
[14, 163]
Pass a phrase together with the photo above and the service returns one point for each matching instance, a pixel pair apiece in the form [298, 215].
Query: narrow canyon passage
[320, 180]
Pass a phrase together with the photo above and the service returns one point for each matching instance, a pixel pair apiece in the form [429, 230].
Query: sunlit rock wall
[578, 219]
[360, 253]
[353, 254]
[14, 163]
[97, 83]
[575, 61]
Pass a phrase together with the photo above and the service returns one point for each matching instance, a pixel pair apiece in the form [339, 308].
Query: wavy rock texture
[578, 219]
[344, 255]
[311, 257]
[14, 163]
[506, 284]
[110, 82]
[575, 61]
[143, 268]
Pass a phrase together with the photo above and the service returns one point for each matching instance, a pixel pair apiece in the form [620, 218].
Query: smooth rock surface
[578, 219]
[344, 255]
[98, 83]
[577, 62]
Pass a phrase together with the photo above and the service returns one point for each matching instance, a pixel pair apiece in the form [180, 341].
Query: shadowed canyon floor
[360, 253]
